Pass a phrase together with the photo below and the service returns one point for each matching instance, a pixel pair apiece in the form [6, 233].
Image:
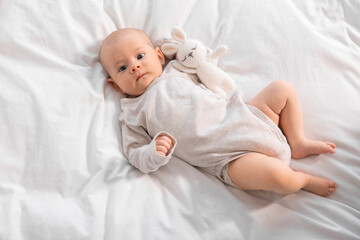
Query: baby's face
[132, 63]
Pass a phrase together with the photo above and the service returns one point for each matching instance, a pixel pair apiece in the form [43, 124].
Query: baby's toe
[332, 145]
[329, 148]
[332, 185]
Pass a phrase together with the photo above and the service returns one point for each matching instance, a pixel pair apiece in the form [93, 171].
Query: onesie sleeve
[140, 149]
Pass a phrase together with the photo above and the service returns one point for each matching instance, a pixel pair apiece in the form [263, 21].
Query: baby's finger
[162, 150]
[164, 140]
[167, 139]
[163, 143]
[161, 153]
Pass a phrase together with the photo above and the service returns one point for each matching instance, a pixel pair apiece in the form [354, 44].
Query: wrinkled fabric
[63, 174]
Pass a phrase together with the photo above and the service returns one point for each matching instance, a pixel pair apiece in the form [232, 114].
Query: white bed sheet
[62, 172]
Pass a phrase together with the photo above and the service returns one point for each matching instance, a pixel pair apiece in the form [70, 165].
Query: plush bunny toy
[193, 57]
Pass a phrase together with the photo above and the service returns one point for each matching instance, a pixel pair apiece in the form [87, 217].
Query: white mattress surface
[62, 171]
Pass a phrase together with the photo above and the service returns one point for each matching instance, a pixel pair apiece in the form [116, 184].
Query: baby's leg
[280, 103]
[256, 171]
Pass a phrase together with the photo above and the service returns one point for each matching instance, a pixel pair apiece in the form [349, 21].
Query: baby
[169, 113]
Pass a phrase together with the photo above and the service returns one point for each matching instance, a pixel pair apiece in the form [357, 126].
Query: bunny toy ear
[220, 50]
[169, 50]
[178, 34]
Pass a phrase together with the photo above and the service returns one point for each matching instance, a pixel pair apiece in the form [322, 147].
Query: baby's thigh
[254, 171]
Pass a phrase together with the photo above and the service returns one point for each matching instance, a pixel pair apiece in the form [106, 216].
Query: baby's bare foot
[309, 147]
[320, 186]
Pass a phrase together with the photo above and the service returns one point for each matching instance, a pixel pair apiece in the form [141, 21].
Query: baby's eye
[122, 68]
[140, 56]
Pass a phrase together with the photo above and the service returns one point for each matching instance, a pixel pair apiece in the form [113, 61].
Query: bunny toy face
[191, 53]
[193, 57]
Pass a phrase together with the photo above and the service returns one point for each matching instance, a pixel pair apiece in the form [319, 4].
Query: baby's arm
[145, 153]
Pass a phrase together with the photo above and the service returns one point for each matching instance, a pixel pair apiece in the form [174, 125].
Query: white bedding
[62, 172]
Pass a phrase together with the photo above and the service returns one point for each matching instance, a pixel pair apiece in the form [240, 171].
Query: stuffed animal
[194, 58]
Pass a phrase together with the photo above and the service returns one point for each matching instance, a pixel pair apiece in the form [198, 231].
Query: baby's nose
[135, 66]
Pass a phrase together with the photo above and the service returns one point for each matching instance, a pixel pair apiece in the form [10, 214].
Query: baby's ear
[115, 86]
[160, 55]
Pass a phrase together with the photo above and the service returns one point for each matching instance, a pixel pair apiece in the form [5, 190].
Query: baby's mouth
[140, 76]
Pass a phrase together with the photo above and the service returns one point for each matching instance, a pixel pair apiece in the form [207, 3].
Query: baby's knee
[282, 85]
[282, 88]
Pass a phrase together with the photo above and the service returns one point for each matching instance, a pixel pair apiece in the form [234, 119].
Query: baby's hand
[163, 145]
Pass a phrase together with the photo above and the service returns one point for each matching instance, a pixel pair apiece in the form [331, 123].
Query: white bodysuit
[208, 131]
